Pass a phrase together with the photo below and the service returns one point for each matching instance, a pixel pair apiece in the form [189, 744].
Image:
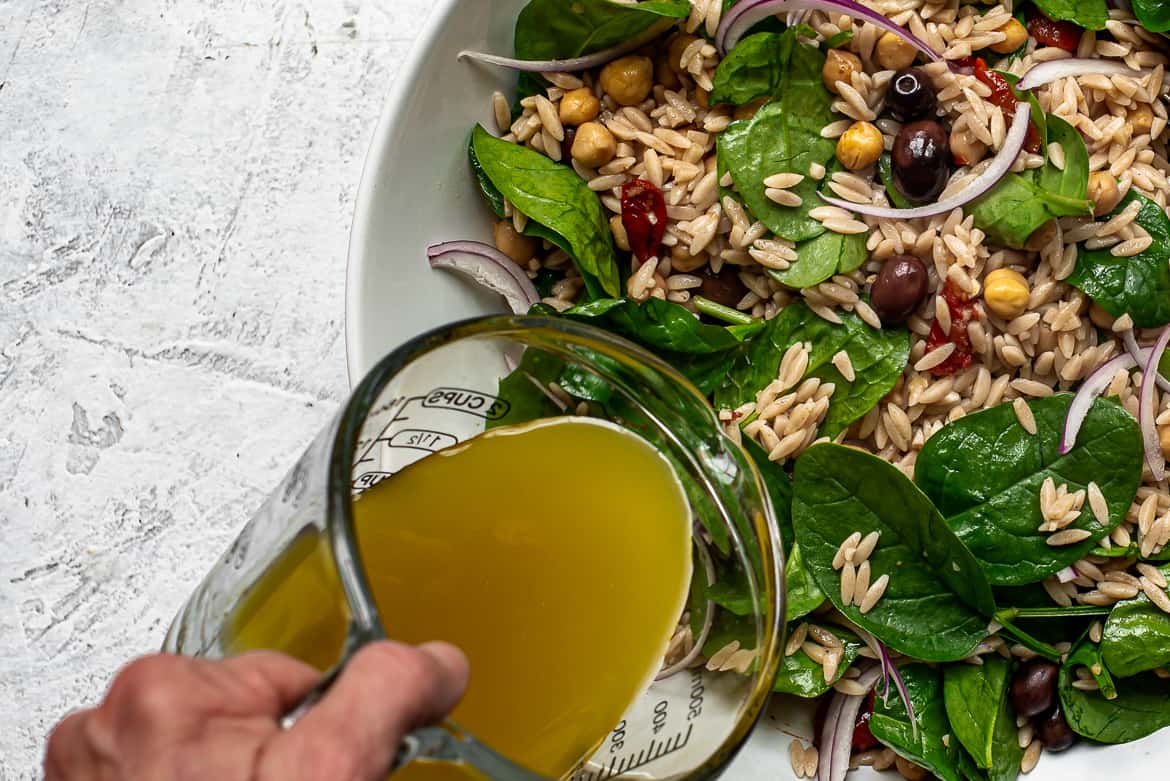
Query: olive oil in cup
[460, 496]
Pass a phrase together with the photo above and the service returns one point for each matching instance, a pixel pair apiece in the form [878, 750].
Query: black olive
[899, 288]
[1053, 730]
[567, 144]
[910, 95]
[722, 288]
[920, 160]
[1034, 687]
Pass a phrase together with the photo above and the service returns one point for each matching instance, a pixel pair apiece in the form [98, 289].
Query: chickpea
[840, 65]
[966, 149]
[594, 145]
[579, 106]
[517, 246]
[1006, 293]
[665, 74]
[748, 110]
[628, 80]
[1103, 192]
[1015, 36]
[893, 53]
[1164, 440]
[701, 98]
[682, 260]
[1100, 317]
[860, 146]
[674, 52]
[1141, 119]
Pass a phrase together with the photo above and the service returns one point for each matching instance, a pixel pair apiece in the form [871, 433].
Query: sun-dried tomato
[1063, 35]
[963, 310]
[863, 739]
[1002, 96]
[644, 217]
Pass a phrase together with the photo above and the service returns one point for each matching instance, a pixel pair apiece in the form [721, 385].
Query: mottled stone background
[177, 180]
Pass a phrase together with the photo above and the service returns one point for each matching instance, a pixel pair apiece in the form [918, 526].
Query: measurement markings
[645, 756]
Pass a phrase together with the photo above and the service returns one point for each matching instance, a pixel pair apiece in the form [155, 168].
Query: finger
[386, 690]
[278, 682]
[69, 756]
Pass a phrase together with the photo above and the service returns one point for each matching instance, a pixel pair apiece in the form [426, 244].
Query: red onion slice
[1047, 72]
[1000, 165]
[1093, 386]
[575, 64]
[487, 267]
[742, 16]
[1068, 574]
[1146, 408]
[837, 733]
[1141, 355]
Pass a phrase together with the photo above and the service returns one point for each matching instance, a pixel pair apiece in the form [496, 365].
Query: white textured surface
[176, 187]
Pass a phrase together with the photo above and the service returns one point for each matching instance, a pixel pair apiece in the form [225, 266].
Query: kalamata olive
[1033, 688]
[1053, 730]
[921, 160]
[567, 144]
[899, 288]
[722, 288]
[910, 95]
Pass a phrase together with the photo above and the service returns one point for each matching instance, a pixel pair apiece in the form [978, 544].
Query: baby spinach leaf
[821, 257]
[981, 717]
[1140, 707]
[891, 725]
[995, 508]
[1021, 203]
[1090, 14]
[560, 29]
[1133, 550]
[937, 604]
[1136, 636]
[554, 196]
[522, 389]
[657, 325]
[885, 170]
[1138, 285]
[878, 357]
[755, 68]
[1153, 14]
[799, 675]
[783, 136]
[804, 596]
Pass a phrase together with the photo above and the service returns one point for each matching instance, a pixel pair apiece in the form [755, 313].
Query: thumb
[353, 733]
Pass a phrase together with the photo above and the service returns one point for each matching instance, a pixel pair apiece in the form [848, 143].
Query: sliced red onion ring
[1146, 408]
[1000, 165]
[488, 267]
[575, 64]
[1141, 355]
[742, 16]
[900, 685]
[837, 733]
[1047, 72]
[1068, 574]
[1093, 386]
[708, 621]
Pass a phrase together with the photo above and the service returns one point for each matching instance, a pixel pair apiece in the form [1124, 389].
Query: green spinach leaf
[1153, 14]
[1136, 636]
[658, 325]
[783, 136]
[1021, 203]
[554, 196]
[755, 68]
[937, 604]
[1140, 705]
[995, 508]
[560, 29]
[878, 356]
[885, 170]
[981, 716]
[1138, 285]
[821, 257]
[891, 725]
[799, 675]
[522, 389]
[1090, 14]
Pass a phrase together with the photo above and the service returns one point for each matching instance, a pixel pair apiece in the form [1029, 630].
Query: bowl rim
[377, 152]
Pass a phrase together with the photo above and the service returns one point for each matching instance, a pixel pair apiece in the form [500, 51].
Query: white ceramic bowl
[417, 189]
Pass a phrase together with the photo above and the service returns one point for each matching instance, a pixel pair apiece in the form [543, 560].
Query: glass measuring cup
[444, 387]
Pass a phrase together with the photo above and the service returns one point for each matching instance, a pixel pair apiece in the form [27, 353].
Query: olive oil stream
[557, 555]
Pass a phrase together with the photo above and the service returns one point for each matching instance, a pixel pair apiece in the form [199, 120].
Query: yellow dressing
[556, 554]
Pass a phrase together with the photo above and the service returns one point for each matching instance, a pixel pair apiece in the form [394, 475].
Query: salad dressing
[536, 549]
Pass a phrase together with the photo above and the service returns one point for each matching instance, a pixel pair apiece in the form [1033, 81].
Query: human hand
[172, 717]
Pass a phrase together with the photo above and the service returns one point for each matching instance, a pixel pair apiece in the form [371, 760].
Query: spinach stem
[1059, 612]
[721, 312]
